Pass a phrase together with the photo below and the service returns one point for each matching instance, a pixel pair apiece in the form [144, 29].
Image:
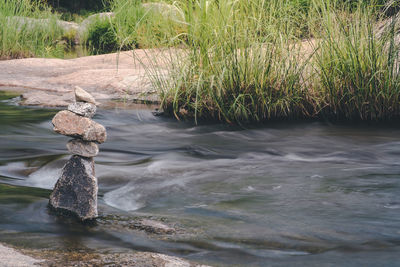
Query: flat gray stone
[68, 123]
[82, 148]
[76, 189]
[83, 109]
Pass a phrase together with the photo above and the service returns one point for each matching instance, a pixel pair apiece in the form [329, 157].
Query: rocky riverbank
[10, 257]
[50, 82]
[17, 256]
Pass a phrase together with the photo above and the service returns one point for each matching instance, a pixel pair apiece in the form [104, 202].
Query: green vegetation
[240, 63]
[251, 61]
[28, 29]
[100, 37]
[357, 69]
[147, 25]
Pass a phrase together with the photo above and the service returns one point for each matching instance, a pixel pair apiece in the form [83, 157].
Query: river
[289, 193]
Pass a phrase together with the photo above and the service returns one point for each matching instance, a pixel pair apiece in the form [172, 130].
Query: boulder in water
[76, 190]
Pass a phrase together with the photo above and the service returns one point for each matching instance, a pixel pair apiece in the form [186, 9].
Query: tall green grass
[250, 61]
[357, 69]
[146, 25]
[28, 28]
[239, 62]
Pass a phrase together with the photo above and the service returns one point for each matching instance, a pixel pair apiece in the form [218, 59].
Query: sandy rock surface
[136, 259]
[9, 257]
[50, 82]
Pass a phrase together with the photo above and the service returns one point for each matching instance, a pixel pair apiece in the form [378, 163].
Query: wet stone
[83, 109]
[154, 227]
[68, 123]
[76, 189]
[82, 148]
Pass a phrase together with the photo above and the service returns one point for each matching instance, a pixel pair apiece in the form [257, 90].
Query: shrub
[101, 37]
[358, 75]
[242, 62]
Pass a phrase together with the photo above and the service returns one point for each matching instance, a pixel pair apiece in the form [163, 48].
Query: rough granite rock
[68, 123]
[76, 189]
[82, 148]
[83, 96]
[83, 109]
[105, 77]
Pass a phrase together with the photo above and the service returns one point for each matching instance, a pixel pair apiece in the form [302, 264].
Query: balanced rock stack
[76, 189]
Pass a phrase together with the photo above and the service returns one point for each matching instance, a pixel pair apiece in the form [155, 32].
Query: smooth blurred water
[284, 194]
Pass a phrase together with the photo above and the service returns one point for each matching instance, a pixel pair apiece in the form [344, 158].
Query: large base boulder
[76, 190]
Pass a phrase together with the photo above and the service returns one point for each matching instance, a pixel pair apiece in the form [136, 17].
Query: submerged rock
[83, 96]
[68, 123]
[82, 148]
[76, 190]
[83, 109]
[153, 227]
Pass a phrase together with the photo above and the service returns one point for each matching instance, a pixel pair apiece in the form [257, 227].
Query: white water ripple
[124, 198]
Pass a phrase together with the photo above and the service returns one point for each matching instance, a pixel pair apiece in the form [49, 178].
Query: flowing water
[284, 194]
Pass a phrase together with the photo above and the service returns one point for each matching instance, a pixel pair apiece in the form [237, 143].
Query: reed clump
[245, 61]
[28, 28]
[357, 69]
[233, 66]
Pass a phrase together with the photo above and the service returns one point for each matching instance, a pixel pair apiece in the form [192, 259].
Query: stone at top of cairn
[84, 104]
[83, 96]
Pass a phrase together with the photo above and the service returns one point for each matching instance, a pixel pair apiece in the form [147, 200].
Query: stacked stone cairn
[76, 190]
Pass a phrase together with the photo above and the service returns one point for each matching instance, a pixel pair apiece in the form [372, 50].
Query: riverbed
[288, 193]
